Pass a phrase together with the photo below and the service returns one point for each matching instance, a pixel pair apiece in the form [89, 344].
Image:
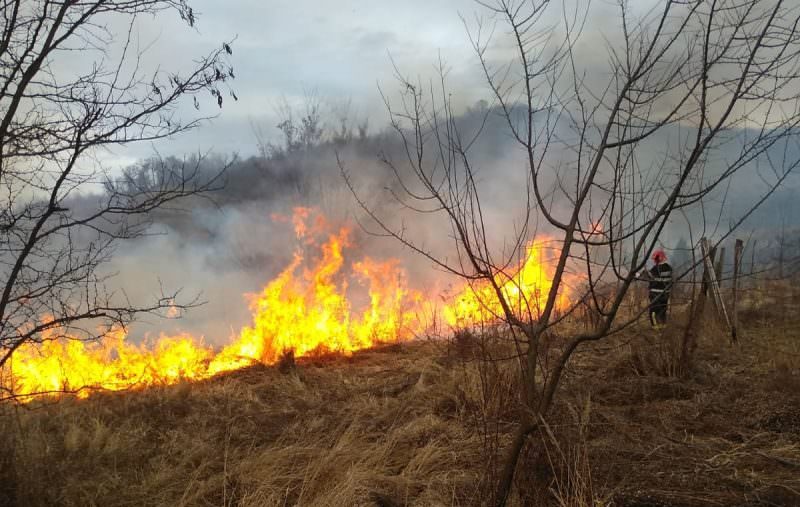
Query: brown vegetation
[421, 423]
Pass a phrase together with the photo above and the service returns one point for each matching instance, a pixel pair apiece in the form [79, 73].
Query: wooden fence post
[719, 265]
[737, 260]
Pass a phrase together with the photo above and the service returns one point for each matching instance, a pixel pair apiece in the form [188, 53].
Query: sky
[283, 49]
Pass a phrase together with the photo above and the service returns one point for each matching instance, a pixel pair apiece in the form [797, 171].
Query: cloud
[283, 48]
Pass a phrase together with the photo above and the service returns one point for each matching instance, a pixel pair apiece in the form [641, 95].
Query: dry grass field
[421, 424]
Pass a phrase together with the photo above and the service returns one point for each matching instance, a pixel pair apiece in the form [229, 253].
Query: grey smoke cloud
[343, 50]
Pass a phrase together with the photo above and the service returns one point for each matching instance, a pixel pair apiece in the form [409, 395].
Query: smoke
[234, 242]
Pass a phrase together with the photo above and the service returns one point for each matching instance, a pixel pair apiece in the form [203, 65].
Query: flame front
[525, 292]
[312, 314]
[307, 309]
[58, 364]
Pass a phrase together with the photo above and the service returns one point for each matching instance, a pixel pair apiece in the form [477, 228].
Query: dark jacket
[661, 280]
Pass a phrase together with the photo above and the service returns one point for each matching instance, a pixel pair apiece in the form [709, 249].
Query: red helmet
[659, 256]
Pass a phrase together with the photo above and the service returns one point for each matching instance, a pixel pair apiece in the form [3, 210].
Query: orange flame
[59, 364]
[307, 309]
[525, 292]
[312, 314]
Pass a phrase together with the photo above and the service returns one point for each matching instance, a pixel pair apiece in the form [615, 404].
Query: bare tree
[299, 134]
[691, 95]
[73, 83]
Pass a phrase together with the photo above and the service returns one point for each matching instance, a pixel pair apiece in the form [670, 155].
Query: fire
[311, 313]
[319, 303]
[59, 364]
[304, 310]
[525, 291]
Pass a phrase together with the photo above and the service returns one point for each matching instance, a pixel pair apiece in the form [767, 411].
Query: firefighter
[660, 278]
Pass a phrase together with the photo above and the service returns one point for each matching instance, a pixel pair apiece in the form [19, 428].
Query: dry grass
[383, 428]
[422, 424]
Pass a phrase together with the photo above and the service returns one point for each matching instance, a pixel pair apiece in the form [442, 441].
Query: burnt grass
[421, 424]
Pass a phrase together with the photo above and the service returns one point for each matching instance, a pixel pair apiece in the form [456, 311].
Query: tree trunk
[510, 466]
[697, 308]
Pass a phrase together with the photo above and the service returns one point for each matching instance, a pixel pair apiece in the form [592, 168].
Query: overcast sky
[284, 47]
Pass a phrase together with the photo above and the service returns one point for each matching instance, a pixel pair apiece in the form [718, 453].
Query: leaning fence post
[716, 295]
[710, 253]
[737, 260]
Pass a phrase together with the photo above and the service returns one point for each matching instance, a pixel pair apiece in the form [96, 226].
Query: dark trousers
[658, 308]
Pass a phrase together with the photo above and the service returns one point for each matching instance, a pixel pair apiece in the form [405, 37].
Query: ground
[417, 423]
